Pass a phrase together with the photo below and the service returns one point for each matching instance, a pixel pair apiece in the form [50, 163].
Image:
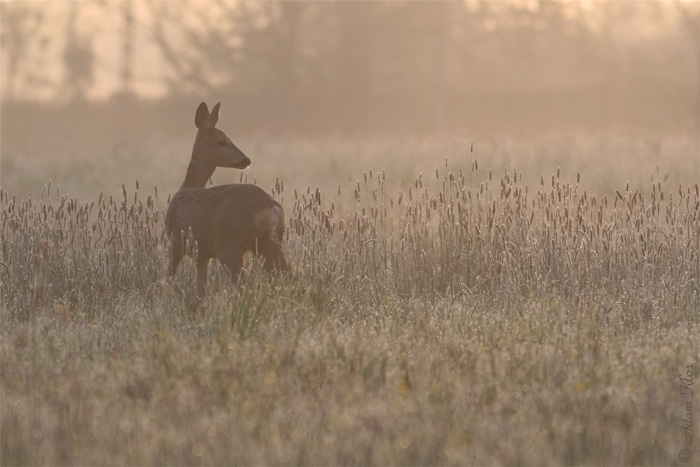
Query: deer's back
[226, 216]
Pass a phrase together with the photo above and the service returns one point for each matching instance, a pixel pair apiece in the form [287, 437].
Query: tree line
[430, 65]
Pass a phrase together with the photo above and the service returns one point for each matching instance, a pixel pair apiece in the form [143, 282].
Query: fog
[108, 74]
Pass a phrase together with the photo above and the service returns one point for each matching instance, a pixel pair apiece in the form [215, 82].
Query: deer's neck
[197, 174]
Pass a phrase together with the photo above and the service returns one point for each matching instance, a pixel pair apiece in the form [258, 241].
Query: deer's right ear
[214, 115]
[201, 118]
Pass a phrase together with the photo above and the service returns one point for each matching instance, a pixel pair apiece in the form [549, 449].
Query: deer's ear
[214, 116]
[201, 118]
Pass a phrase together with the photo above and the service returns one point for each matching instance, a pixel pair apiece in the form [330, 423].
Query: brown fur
[224, 221]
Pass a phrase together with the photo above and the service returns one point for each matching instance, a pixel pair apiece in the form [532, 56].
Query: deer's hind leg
[270, 226]
[233, 260]
[273, 255]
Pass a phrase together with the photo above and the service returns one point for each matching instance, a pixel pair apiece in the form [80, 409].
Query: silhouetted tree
[23, 43]
[78, 60]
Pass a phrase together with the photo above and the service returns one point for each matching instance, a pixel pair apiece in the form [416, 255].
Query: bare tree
[23, 43]
[78, 60]
[201, 55]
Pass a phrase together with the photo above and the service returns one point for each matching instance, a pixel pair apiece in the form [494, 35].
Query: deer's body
[224, 221]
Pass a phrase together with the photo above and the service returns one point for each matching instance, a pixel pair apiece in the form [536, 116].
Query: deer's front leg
[202, 268]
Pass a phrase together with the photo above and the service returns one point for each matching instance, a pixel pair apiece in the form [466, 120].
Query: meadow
[500, 302]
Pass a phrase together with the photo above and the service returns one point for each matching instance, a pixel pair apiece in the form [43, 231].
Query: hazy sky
[103, 24]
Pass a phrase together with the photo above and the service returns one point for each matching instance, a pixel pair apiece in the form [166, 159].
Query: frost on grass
[462, 316]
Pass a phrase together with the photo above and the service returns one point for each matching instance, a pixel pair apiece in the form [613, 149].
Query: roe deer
[224, 221]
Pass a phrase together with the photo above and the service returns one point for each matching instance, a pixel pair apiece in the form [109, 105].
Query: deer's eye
[222, 143]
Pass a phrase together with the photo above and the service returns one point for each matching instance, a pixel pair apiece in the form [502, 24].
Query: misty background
[99, 77]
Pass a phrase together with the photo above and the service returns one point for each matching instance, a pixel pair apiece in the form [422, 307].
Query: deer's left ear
[214, 116]
[202, 119]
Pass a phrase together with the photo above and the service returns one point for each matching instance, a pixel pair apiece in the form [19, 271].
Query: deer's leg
[175, 255]
[202, 269]
[272, 252]
[233, 261]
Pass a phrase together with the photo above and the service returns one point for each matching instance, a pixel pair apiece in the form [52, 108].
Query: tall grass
[465, 317]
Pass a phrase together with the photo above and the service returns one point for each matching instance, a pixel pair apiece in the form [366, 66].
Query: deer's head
[212, 146]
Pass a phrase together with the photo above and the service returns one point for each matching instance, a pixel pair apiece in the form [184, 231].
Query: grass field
[514, 302]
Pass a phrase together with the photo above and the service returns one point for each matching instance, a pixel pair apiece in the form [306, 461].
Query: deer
[226, 221]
